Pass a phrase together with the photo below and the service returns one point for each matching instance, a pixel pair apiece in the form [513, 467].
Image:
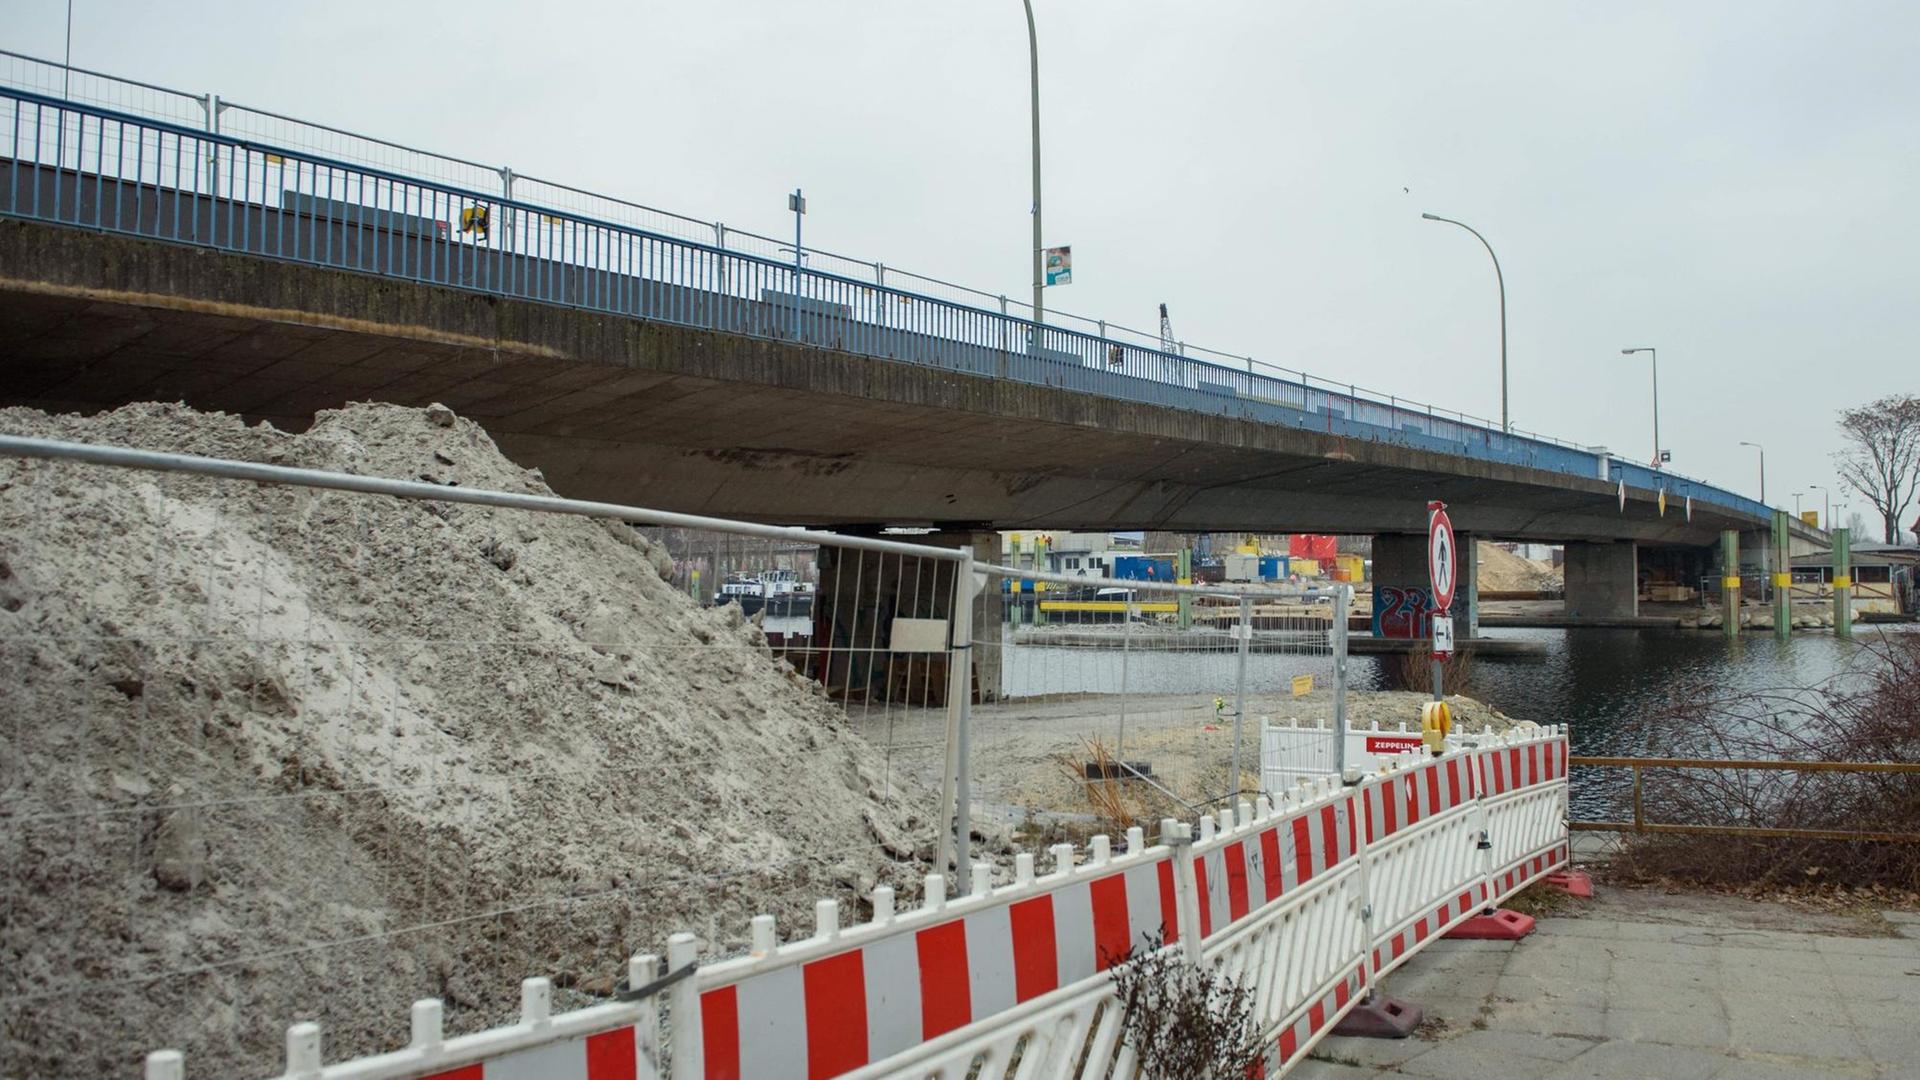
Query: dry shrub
[1414, 671]
[1185, 1022]
[1868, 713]
[1118, 804]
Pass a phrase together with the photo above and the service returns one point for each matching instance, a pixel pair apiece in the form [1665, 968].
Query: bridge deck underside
[703, 422]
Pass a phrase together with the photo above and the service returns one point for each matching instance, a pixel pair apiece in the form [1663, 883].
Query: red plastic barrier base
[1381, 1017]
[1501, 925]
[1572, 882]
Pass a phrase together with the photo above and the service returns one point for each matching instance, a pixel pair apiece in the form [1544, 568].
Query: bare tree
[1882, 458]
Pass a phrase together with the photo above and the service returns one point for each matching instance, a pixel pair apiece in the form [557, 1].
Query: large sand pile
[315, 754]
[1501, 570]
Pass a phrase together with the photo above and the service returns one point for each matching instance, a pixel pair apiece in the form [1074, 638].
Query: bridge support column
[1842, 583]
[1730, 582]
[1603, 579]
[1403, 589]
[861, 593]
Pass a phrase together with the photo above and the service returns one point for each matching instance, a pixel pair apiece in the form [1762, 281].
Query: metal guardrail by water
[130, 157]
[1640, 824]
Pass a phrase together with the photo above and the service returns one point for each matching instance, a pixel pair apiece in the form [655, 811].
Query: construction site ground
[1026, 753]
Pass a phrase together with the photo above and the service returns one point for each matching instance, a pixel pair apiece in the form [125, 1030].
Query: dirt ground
[1027, 753]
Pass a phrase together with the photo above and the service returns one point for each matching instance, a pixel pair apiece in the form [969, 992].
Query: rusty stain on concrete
[319, 320]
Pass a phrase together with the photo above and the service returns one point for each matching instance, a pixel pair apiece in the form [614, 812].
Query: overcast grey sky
[1735, 183]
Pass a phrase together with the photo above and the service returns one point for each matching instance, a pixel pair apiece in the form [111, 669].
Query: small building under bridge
[1886, 577]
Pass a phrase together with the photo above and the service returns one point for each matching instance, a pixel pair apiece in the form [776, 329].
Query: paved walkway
[1680, 994]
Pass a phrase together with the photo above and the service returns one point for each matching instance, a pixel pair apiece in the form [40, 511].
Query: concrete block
[1380, 1017]
[1501, 925]
[1572, 882]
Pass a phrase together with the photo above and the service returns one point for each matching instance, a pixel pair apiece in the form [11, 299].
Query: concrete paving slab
[1622, 1060]
[1465, 1059]
[1891, 1046]
[1549, 1018]
[1567, 991]
[1703, 1028]
[1792, 1009]
[1909, 918]
[1373, 1053]
[1874, 946]
[1835, 1041]
[1743, 1069]
[1696, 993]
[1328, 1070]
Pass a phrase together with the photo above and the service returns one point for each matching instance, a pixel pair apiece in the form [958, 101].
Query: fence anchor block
[1381, 1017]
[1572, 882]
[1498, 925]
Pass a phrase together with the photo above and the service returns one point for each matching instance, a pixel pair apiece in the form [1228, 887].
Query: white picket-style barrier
[1309, 898]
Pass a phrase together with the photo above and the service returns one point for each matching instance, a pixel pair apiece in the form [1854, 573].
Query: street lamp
[1796, 502]
[1826, 521]
[1039, 254]
[1506, 424]
[1659, 455]
[1763, 467]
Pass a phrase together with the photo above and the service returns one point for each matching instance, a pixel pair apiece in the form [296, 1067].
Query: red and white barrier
[1309, 898]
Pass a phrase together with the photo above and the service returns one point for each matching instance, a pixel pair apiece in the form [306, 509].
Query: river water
[1597, 681]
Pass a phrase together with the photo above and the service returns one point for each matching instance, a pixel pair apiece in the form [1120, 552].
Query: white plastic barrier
[1309, 898]
[1295, 750]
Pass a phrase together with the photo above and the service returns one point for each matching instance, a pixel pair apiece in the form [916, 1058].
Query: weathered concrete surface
[1658, 993]
[1400, 561]
[620, 409]
[1603, 581]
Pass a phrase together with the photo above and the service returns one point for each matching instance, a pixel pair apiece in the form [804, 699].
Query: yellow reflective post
[1436, 722]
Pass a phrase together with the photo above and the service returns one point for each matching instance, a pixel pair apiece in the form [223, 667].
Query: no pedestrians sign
[1443, 572]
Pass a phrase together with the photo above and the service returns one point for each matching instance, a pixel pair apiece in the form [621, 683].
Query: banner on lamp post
[1060, 265]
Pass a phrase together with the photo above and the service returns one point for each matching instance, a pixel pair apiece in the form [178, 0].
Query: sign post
[1443, 573]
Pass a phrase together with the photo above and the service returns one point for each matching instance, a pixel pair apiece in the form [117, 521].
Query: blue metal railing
[98, 168]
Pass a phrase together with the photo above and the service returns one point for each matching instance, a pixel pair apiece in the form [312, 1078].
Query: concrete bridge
[144, 261]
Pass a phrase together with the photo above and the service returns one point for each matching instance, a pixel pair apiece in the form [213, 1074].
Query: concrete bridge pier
[1603, 579]
[1402, 587]
[860, 595]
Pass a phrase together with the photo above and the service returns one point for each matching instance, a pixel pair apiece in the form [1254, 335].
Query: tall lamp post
[1039, 253]
[1796, 502]
[1826, 521]
[1659, 456]
[1763, 467]
[1506, 424]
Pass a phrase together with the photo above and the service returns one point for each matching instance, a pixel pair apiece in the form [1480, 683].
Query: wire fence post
[956, 790]
[1126, 649]
[1342, 605]
[1245, 633]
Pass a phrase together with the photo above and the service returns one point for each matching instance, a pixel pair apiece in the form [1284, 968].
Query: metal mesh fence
[285, 753]
[1123, 701]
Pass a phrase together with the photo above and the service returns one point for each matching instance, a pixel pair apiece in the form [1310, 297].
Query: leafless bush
[1414, 671]
[1869, 713]
[1185, 1022]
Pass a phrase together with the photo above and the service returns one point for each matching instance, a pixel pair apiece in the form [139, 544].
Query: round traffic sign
[1442, 559]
